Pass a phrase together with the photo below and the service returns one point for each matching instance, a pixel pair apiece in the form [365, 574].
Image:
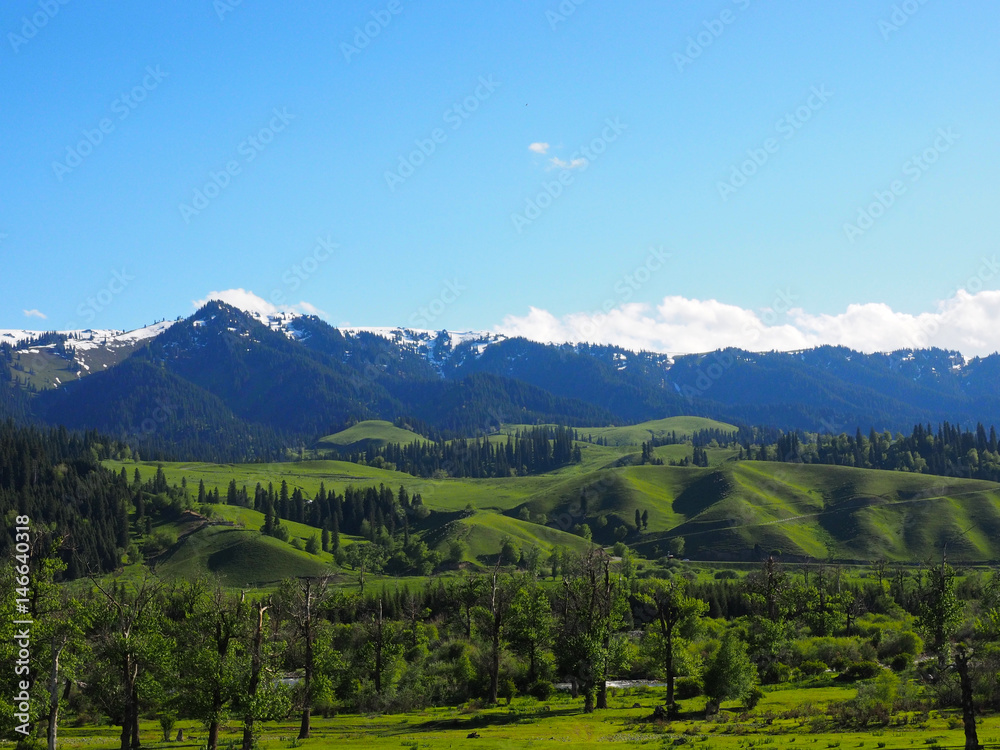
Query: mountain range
[226, 384]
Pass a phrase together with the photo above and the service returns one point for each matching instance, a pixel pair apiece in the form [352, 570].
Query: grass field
[785, 718]
[370, 433]
[722, 511]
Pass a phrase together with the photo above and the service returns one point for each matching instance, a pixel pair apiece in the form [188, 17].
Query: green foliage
[940, 612]
[861, 670]
[730, 674]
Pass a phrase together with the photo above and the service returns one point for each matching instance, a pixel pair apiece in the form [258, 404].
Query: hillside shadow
[702, 494]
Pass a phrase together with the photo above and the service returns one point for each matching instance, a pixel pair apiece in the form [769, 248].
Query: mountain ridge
[291, 375]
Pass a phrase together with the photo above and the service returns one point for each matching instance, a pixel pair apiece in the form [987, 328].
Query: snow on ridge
[90, 338]
[418, 336]
[426, 342]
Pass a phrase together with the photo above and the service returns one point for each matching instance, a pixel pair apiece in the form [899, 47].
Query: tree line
[949, 450]
[146, 648]
[530, 451]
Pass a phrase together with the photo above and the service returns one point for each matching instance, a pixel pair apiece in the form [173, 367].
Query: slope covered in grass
[372, 433]
[239, 557]
[730, 510]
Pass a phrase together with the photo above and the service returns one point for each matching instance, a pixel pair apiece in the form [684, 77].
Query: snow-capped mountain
[52, 358]
[437, 347]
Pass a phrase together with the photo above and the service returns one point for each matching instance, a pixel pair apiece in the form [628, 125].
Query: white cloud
[246, 300]
[539, 148]
[577, 163]
[35, 314]
[308, 309]
[966, 322]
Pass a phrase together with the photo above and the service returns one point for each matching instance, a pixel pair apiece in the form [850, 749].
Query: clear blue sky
[657, 184]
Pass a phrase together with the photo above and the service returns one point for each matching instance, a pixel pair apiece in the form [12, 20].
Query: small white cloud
[35, 314]
[558, 163]
[246, 300]
[307, 309]
[539, 148]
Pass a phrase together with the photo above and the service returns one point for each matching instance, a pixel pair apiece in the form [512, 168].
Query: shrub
[813, 668]
[541, 689]
[861, 670]
[687, 687]
[896, 642]
[160, 541]
[837, 652]
[901, 662]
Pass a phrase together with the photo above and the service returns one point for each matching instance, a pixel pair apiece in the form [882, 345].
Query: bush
[901, 662]
[541, 689]
[726, 575]
[897, 642]
[753, 698]
[875, 702]
[837, 652]
[860, 670]
[687, 687]
[813, 668]
[160, 541]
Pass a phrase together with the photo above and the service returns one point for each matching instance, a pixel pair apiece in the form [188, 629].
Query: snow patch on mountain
[436, 347]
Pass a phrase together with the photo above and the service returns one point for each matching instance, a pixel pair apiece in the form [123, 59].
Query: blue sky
[747, 140]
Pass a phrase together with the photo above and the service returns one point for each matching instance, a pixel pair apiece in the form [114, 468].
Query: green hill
[731, 510]
[240, 557]
[370, 433]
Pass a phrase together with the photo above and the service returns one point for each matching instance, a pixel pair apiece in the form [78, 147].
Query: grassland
[370, 433]
[723, 511]
[779, 720]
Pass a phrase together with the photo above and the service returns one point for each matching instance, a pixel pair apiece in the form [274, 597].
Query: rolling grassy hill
[240, 557]
[730, 510]
[370, 433]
